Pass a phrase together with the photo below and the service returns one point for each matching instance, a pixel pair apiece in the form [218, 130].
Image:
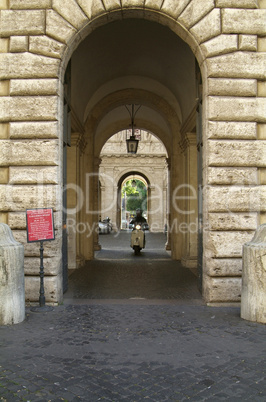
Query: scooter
[137, 238]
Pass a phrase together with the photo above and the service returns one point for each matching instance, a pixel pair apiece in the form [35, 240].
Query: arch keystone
[132, 3]
[92, 8]
[173, 8]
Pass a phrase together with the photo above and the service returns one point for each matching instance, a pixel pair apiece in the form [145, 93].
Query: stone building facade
[197, 67]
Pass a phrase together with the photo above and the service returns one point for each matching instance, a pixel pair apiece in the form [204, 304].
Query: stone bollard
[253, 297]
[12, 288]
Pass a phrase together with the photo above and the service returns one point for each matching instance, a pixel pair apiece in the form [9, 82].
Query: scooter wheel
[137, 250]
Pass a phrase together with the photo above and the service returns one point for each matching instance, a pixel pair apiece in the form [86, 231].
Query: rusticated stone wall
[228, 39]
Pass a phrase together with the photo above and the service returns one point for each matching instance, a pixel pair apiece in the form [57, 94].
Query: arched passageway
[161, 78]
[143, 52]
[149, 165]
[132, 180]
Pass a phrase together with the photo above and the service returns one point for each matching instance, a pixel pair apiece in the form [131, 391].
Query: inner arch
[133, 48]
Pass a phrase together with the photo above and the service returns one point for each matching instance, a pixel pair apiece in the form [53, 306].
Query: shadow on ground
[116, 273]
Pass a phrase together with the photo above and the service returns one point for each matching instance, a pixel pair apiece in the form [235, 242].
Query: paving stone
[166, 349]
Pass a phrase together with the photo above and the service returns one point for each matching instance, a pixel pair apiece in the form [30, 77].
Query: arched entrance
[149, 165]
[135, 51]
[167, 102]
[168, 108]
[133, 175]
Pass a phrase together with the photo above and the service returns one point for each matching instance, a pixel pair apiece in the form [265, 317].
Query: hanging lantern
[132, 144]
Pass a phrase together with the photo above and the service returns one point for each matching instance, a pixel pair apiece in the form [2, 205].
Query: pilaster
[190, 228]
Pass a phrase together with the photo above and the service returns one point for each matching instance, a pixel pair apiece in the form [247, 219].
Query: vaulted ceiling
[141, 62]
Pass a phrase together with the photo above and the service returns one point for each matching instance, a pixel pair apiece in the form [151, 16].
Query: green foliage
[128, 189]
[136, 197]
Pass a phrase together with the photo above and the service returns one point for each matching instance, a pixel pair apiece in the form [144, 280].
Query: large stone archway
[228, 40]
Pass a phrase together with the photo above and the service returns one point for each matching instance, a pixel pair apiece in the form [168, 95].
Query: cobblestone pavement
[164, 349]
[117, 273]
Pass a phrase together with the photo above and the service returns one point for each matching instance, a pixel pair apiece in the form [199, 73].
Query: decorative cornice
[142, 156]
[187, 141]
[78, 140]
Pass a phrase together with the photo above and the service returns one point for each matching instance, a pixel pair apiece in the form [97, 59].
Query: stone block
[72, 13]
[221, 289]
[237, 109]
[19, 198]
[22, 108]
[261, 44]
[29, 153]
[24, 22]
[4, 4]
[158, 5]
[4, 175]
[108, 4]
[27, 65]
[17, 220]
[4, 88]
[208, 27]
[32, 250]
[53, 289]
[29, 4]
[3, 217]
[224, 267]
[232, 130]
[262, 176]
[94, 8]
[44, 86]
[132, 3]
[46, 46]
[51, 266]
[237, 3]
[195, 10]
[12, 290]
[248, 42]
[19, 44]
[239, 21]
[222, 244]
[262, 89]
[261, 131]
[237, 153]
[220, 45]
[262, 218]
[232, 175]
[34, 130]
[58, 28]
[238, 65]
[253, 301]
[232, 87]
[4, 45]
[4, 130]
[232, 221]
[236, 198]
[33, 174]
[172, 7]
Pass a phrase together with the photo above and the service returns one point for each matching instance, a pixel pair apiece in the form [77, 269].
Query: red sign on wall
[40, 224]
